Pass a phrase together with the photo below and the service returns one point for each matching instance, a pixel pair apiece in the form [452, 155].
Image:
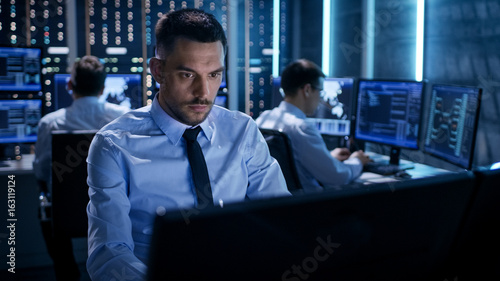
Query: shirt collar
[174, 129]
[292, 109]
[85, 100]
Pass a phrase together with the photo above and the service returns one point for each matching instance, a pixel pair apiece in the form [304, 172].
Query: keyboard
[382, 168]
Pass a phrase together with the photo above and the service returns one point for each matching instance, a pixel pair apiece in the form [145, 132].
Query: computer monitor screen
[20, 69]
[333, 116]
[123, 89]
[19, 120]
[452, 123]
[389, 112]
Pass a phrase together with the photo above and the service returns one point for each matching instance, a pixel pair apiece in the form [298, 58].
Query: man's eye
[215, 75]
[187, 75]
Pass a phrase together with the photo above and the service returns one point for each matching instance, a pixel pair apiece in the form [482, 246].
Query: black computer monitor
[389, 112]
[392, 231]
[19, 120]
[333, 115]
[20, 69]
[123, 89]
[452, 123]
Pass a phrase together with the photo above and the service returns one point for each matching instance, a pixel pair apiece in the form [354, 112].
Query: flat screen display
[122, 89]
[452, 123]
[20, 69]
[333, 115]
[19, 120]
[389, 112]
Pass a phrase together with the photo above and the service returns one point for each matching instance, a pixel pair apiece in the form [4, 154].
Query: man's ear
[307, 89]
[155, 66]
[101, 91]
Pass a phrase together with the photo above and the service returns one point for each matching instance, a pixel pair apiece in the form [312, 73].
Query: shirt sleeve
[110, 243]
[265, 178]
[315, 158]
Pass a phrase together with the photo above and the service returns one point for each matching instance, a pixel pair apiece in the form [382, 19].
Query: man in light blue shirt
[138, 165]
[318, 168]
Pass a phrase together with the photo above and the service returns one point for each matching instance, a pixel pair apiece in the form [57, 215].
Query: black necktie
[198, 168]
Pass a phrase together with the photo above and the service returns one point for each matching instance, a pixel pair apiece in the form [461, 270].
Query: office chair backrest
[281, 149]
[476, 253]
[69, 182]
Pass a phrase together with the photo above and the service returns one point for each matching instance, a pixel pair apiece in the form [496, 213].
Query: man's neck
[77, 96]
[296, 101]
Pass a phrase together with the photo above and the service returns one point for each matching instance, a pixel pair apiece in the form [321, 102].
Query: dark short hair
[88, 76]
[192, 24]
[299, 73]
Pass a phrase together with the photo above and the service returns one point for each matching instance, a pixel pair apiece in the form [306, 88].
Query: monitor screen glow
[452, 123]
[389, 112]
[19, 120]
[122, 89]
[333, 115]
[20, 69]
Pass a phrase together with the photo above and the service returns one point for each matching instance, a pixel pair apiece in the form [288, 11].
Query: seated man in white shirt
[138, 163]
[85, 113]
[317, 167]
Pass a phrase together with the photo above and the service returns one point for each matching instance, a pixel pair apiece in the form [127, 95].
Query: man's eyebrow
[185, 68]
[221, 69]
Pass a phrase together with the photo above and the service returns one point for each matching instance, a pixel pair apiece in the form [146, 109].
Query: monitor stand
[388, 167]
[394, 156]
[394, 159]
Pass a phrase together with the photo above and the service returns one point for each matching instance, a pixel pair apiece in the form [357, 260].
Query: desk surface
[22, 166]
[25, 166]
[418, 171]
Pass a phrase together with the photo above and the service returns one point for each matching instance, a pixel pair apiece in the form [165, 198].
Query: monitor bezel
[475, 129]
[355, 113]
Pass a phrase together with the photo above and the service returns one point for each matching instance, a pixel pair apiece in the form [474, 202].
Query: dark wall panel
[462, 46]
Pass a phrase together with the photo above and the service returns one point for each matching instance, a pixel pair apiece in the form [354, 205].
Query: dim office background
[452, 42]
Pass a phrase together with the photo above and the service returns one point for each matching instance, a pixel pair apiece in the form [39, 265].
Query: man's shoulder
[53, 116]
[115, 108]
[229, 121]
[128, 121]
[227, 115]
[279, 116]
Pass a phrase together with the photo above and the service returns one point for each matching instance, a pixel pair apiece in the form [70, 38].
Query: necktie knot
[191, 134]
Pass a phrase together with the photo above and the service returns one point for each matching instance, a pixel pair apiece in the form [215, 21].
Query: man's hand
[361, 156]
[341, 153]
